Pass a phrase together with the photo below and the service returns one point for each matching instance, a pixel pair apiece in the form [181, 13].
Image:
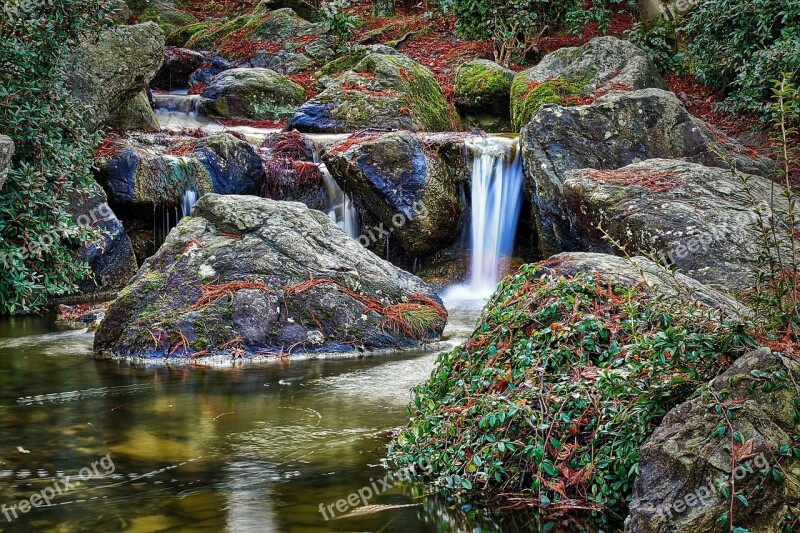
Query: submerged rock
[687, 461]
[6, 152]
[702, 220]
[410, 183]
[250, 276]
[251, 94]
[384, 91]
[602, 64]
[618, 129]
[108, 72]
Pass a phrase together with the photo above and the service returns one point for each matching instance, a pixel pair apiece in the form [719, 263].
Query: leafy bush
[513, 25]
[558, 388]
[658, 39]
[339, 22]
[53, 150]
[737, 45]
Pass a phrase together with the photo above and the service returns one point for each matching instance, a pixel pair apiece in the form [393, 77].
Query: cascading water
[187, 202]
[340, 207]
[496, 201]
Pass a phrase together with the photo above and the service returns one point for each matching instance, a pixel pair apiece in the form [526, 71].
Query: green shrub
[54, 152]
[659, 40]
[738, 45]
[514, 26]
[558, 388]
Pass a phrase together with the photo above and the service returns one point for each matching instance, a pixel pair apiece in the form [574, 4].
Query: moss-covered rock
[527, 96]
[483, 87]
[251, 94]
[387, 91]
[135, 114]
[106, 73]
[146, 173]
[267, 32]
[164, 13]
[245, 276]
[602, 64]
[688, 477]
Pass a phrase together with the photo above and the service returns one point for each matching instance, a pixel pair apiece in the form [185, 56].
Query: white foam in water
[496, 201]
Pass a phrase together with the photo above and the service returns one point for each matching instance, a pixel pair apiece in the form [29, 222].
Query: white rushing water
[187, 202]
[496, 200]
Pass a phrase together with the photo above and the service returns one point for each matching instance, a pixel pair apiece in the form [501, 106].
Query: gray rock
[6, 153]
[698, 219]
[179, 64]
[112, 259]
[601, 64]
[618, 129]
[114, 69]
[135, 115]
[637, 270]
[187, 298]
[682, 463]
[410, 183]
[144, 171]
[251, 94]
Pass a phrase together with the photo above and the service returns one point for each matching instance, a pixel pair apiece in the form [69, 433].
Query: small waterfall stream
[496, 200]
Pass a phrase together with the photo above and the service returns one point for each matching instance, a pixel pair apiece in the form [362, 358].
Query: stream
[244, 447]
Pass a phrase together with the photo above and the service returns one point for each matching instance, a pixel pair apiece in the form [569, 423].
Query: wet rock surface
[410, 183]
[246, 276]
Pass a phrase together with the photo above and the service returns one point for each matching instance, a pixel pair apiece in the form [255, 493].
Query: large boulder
[115, 68]
[482, 93]
[135, 115]
[111, 258]
[602, 64]
[6, 153]
[385, 91]
[686, 466]
[142, 171]
[251, 94]
[702, 220]
[250, 276]
[410, 183]
[165, 13]
[179, 64]
[618, 129]
[263, 31]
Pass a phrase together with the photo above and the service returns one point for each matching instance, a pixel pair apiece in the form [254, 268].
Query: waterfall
[340, 207]
[187, 202]
[496, 199]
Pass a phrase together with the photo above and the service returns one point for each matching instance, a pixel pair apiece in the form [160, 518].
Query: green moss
[477, 80]
[528, 96]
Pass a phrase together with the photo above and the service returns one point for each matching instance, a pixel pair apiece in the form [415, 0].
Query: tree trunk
[650, 10]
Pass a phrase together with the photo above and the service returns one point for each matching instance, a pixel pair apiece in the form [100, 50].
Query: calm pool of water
[239, 448]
